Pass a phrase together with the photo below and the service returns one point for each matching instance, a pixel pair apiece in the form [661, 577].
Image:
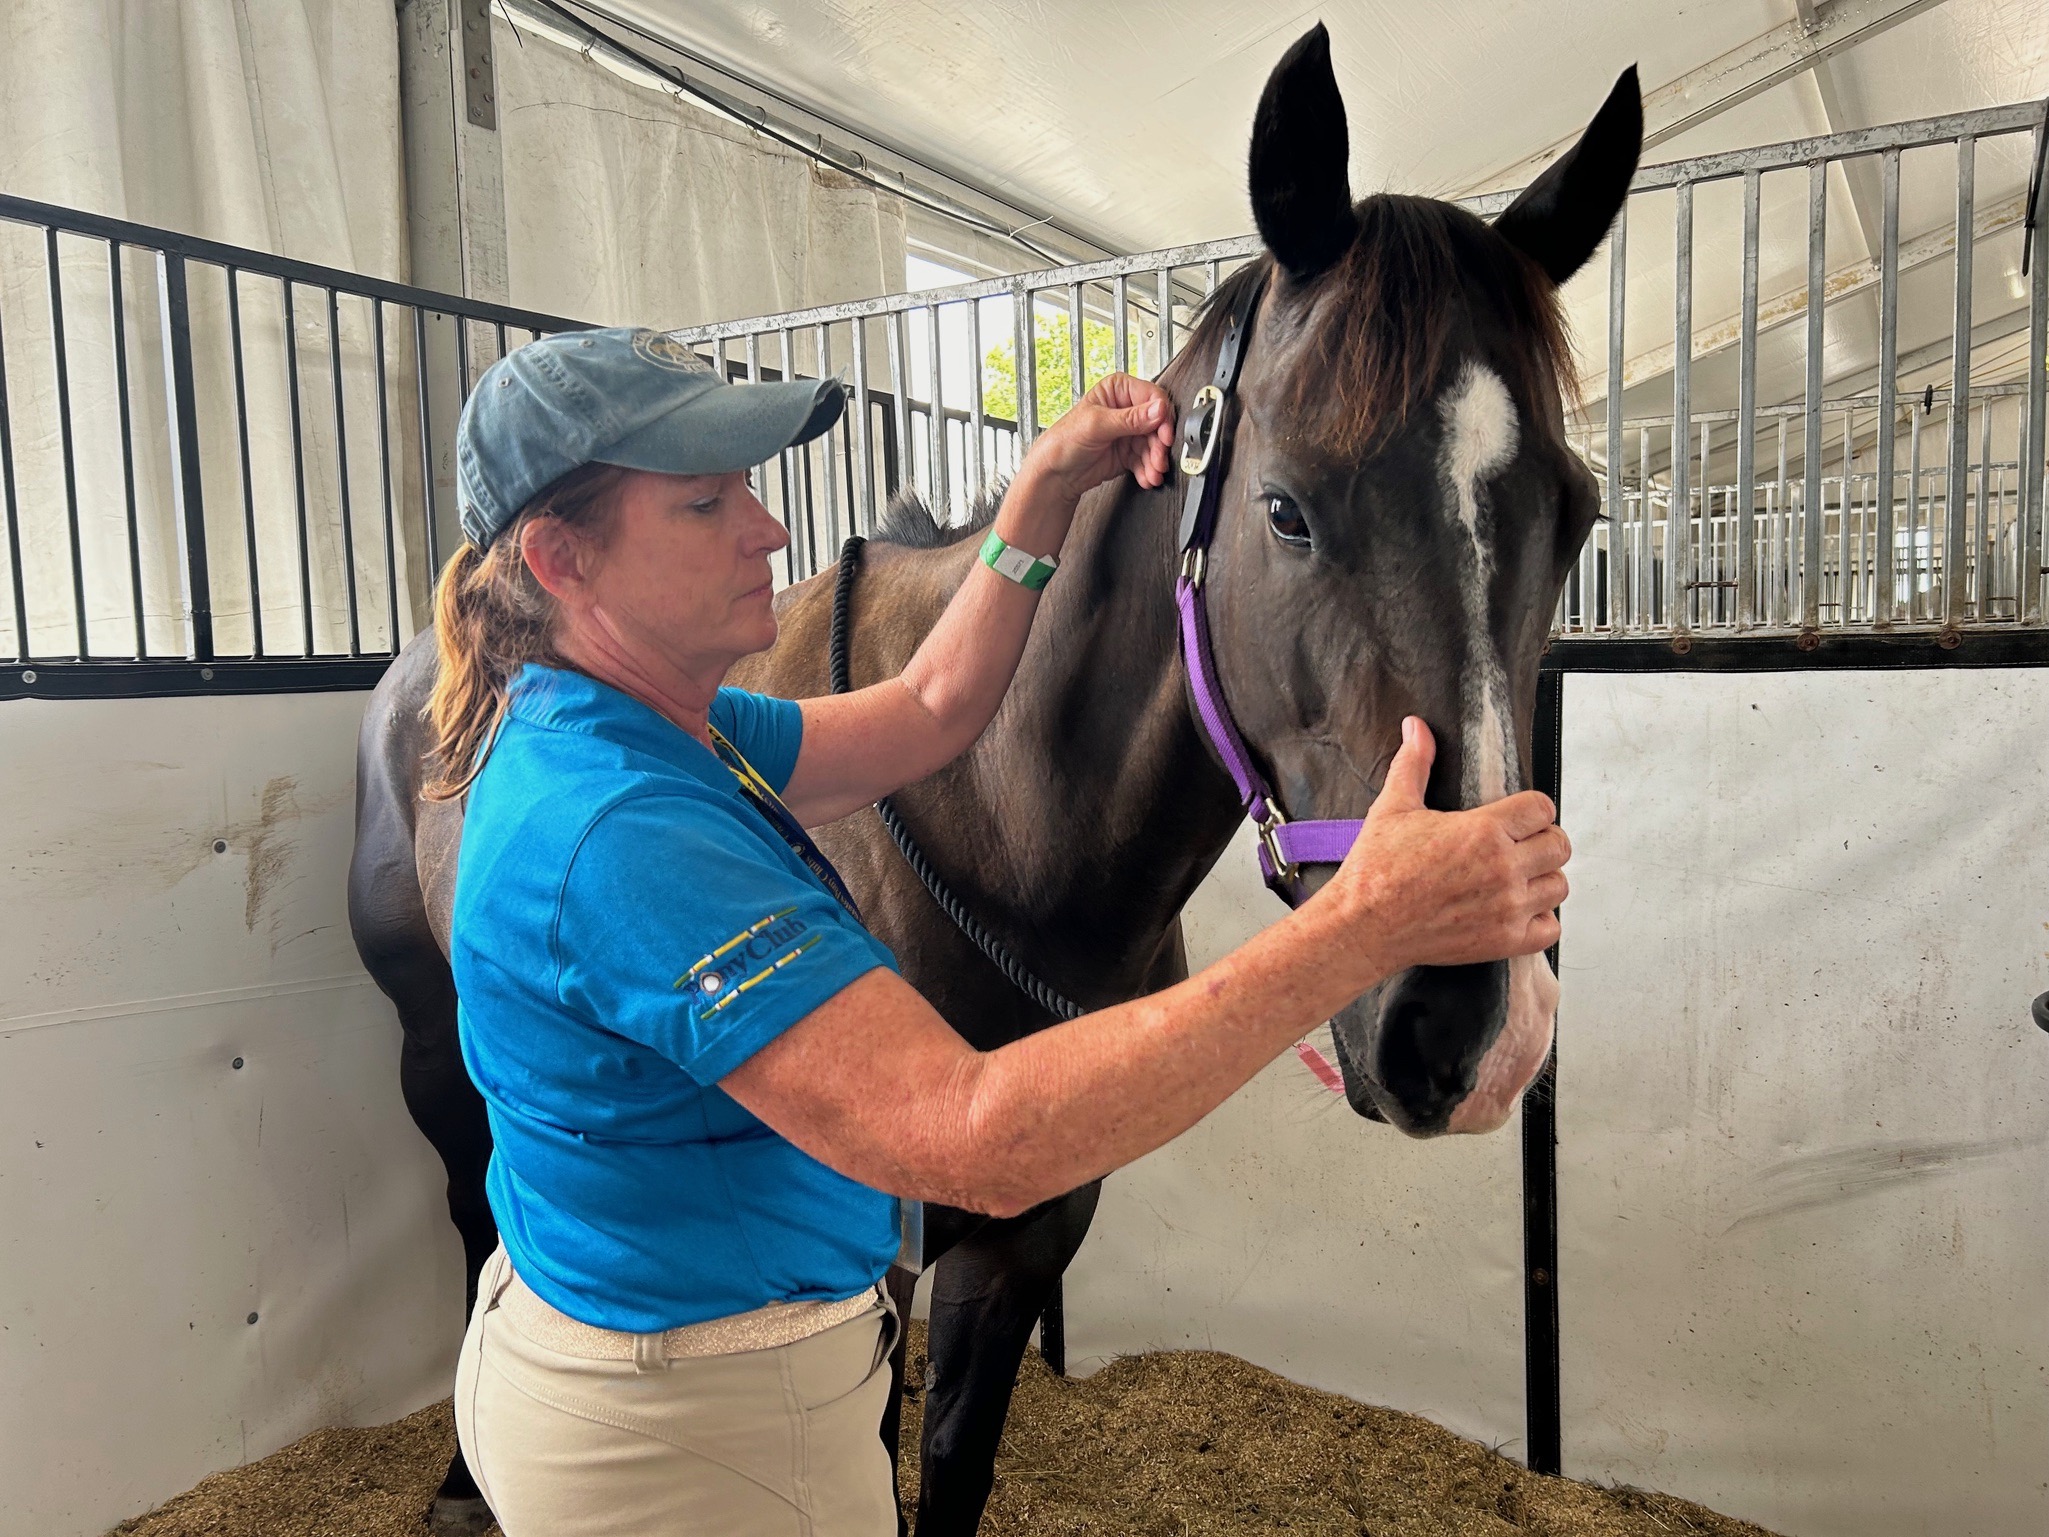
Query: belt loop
[650, 1352]
[497, 1277]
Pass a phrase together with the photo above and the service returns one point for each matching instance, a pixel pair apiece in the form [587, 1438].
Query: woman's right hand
[1445, 888]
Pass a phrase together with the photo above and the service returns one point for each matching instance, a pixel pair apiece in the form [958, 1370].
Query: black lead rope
[1021, 976]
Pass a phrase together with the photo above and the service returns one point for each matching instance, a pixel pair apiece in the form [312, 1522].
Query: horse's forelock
[1379, 320]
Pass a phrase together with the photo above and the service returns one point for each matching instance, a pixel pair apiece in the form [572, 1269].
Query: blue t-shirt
[628, 929]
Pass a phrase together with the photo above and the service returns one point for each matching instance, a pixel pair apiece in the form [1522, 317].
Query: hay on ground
[1178, 1444]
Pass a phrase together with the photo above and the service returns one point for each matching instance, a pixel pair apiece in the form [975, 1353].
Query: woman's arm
[876, 1085]
[860, 746]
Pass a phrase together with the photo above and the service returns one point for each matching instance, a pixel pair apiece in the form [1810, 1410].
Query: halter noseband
[1284, 846]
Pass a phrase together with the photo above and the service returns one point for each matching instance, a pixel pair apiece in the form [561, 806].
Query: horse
[1397, 513]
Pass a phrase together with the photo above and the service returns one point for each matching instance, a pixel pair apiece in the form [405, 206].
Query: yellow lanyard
[770, 805]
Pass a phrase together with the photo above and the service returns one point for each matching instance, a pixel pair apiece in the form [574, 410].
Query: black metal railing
[277, 488]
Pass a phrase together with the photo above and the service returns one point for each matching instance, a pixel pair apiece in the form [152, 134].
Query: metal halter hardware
[1284, 846]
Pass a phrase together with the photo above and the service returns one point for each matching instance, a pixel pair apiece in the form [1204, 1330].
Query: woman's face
[685, 574]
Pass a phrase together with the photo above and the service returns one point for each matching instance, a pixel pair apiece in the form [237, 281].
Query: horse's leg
[986, 1295]
[449, 1111]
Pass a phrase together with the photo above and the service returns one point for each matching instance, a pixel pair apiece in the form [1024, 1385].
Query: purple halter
[1284, 846]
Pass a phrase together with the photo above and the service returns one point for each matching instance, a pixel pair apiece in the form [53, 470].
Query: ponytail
[491, 617]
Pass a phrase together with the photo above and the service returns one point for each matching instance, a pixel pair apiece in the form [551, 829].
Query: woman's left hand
[1124, 423]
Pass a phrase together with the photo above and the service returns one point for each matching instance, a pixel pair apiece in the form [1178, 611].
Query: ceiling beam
[1860, 176]
[1787, 51]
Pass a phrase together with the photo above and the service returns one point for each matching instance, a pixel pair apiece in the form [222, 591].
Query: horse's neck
[1113, 806]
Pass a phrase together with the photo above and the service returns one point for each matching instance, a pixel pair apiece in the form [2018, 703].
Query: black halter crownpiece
[1284, 846]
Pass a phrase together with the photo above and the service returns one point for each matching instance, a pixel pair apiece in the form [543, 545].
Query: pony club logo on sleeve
[667, 352]
[749, 957]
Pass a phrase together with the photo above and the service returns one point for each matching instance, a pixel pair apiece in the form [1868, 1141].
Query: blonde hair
[491, 617]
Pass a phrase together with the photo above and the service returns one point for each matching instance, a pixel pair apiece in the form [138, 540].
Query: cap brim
[732, 427]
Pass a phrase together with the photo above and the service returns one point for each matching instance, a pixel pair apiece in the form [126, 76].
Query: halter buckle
[1201, 429]
[1269, 828]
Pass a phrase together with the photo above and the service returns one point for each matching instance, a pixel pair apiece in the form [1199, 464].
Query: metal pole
[187, 494]
[60, 358]
[834, 534]
[858, 407]
[341, 468]
[384, 472]
[299, 464]
[1915, 608]
[1027, 367]
[1955, 549]
[900, 389]
[2033, 438]
[1746, 415]
[1679, 514]
[1884, 601]
[11, 507]
[1120, 300]
[1166, 317]
[1618, 293]
[115, 289]
[942, 500]
[421, 401]
[1810, 489]
[978, 469]
[1983, 565]
[1077, 346]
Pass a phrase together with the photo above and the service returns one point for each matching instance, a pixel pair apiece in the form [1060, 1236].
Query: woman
[707, 1083]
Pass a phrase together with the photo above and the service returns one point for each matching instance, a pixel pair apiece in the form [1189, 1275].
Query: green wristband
[1032, 571]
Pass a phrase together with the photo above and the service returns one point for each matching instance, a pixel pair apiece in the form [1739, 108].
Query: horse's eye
[1286, 520]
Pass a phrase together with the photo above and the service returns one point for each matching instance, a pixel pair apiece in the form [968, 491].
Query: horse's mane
[1383, 315]
[907, 520]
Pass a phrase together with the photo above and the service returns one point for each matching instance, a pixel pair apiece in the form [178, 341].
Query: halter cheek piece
[1284, 846]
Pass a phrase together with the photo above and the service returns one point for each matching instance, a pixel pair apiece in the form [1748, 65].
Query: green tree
[1054, 354]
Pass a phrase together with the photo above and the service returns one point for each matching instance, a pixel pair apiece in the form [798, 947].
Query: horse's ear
[1301, 194]
[1564, 214]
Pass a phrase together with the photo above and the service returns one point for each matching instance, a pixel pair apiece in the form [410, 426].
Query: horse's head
[1400, 514]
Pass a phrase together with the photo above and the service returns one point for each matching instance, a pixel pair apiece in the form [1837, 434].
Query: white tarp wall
[218, 1228]
[277, 127]
[1803, 1129]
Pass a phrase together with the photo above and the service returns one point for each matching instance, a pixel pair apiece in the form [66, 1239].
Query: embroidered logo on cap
[667, 352]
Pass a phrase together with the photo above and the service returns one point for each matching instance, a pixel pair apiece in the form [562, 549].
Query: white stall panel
[154, 1194]
[1803, 1114]
[1328, 1248]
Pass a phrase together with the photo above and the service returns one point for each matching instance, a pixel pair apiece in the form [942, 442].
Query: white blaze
[1480, 437]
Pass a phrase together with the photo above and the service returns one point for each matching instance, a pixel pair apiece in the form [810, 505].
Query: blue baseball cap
[627, 396]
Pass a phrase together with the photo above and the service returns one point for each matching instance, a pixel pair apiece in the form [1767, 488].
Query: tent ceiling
[1129, 119]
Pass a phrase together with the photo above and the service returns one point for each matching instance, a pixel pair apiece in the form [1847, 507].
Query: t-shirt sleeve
[767, 730]
[680, 931]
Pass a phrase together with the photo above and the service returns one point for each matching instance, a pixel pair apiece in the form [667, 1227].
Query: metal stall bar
[900, 401]
[834, 534]
[1915, 608]
[1120, 301]
[1810, 488]
[384, 472]
[1984, 528]
[341, 467]
[421, 395]
[1954, 546]
[942, 503]
[115, 287]
[1746, 414]
[1077, 347]
[1679, 512]
[2032, 511]
[978, 469]
[1166, 316]
[864, 448]
[1025, 359]
[299, 467]
[1618, 294]
[10, 506]
[59, 354]
[234, 277]
[188, 498]
[1883, 605]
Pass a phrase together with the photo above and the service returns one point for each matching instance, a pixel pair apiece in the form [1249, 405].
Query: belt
[764, 1328]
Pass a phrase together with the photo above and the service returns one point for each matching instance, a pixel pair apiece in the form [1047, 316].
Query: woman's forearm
[959, 674]
[1057, 1109]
